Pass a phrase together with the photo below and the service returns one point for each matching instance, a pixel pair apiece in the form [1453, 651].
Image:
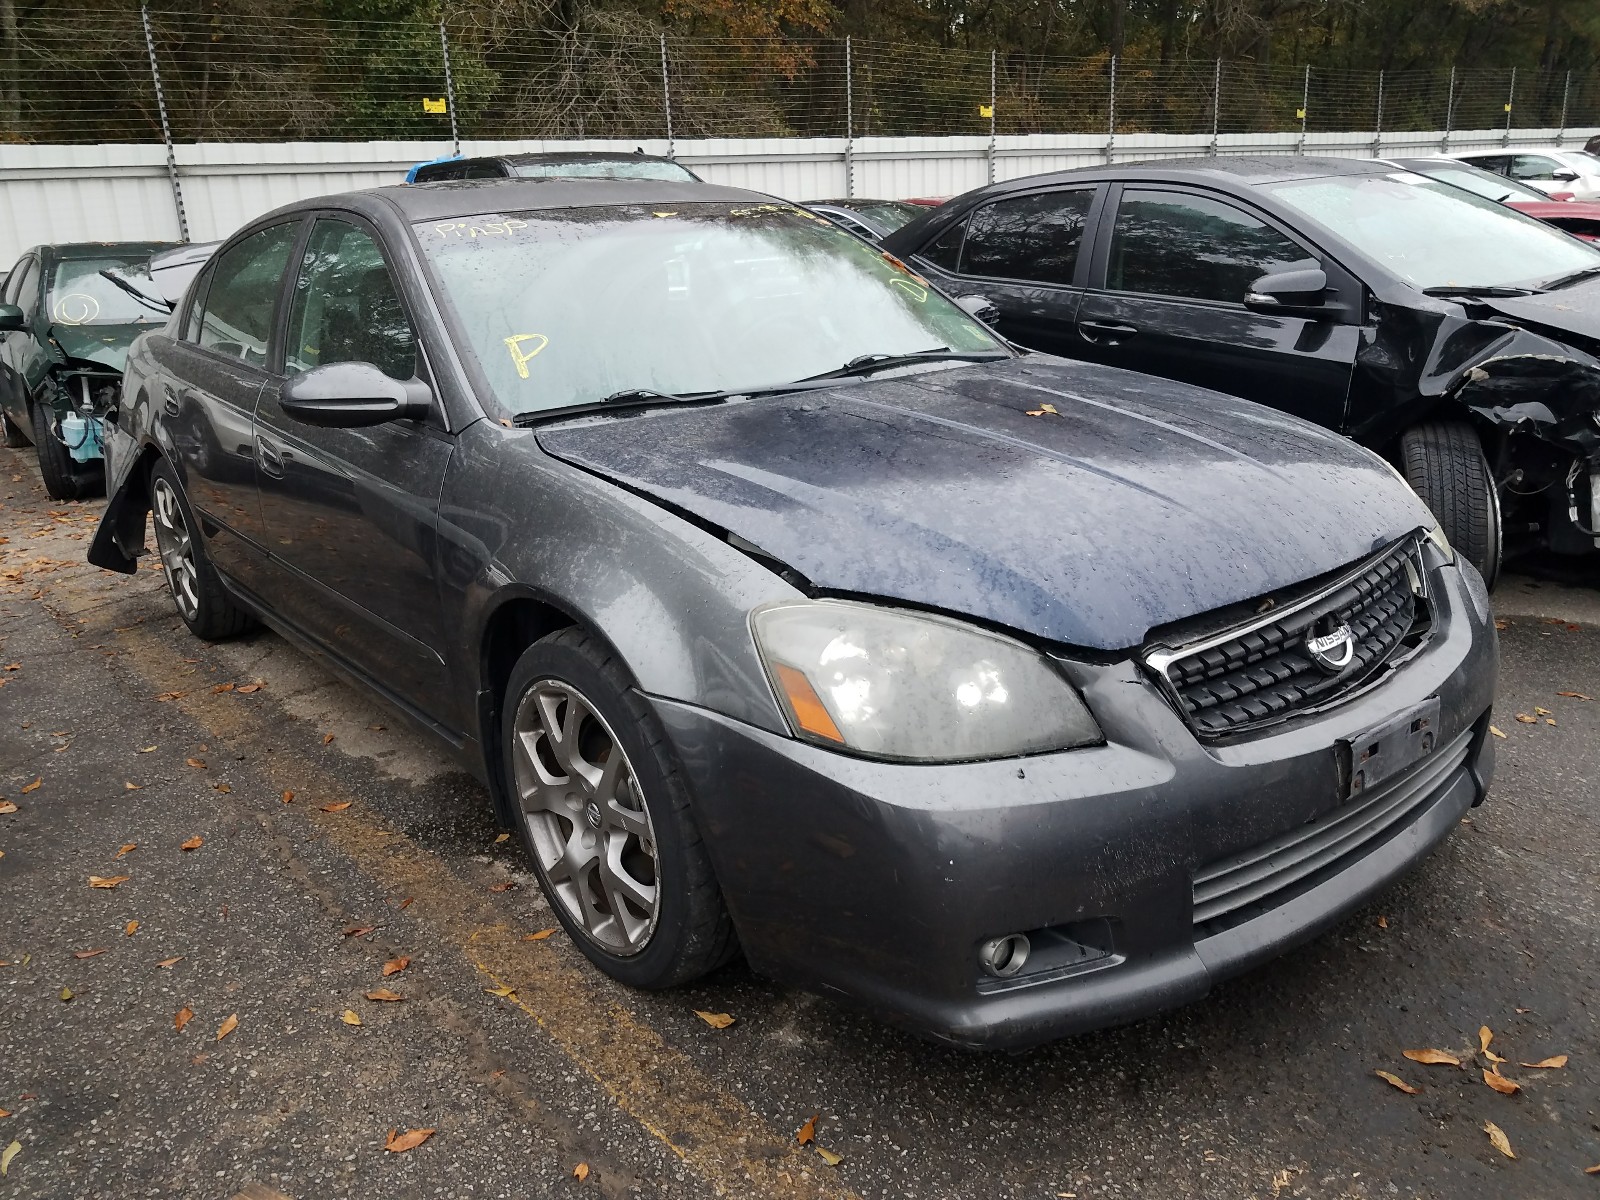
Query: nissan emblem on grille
[1334, 650]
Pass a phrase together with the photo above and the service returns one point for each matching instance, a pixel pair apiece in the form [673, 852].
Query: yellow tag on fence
[986, 110]
[433, 106]
[1508, 108]
[1299, 114]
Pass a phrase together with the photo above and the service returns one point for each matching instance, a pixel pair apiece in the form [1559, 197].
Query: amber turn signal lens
[807, 706]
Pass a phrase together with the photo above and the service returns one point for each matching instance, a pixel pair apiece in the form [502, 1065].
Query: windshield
[1483, 183]
[1434, 235]
[614, 169]
[80, 295]
[891, 214]
[567, 307]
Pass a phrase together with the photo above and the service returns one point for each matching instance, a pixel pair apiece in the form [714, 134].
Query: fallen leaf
[1496, 731]
[358, 930]
[126, 847]
[165, 696]
[503, 837]
[149, 749]
[1506, 1087]
[95, 881]
[1383, 922]
[4, 1113]
[350, 1017]
[1548, 1064]
[1042, 410]
[580, 1172]
[829, 1157]
[1396, 1081]
[407, 903]
[1432, 1056]
[1501, 624]
[222, 787]
[1574, 696]
[1485, 1036]
[504, 992]
[1540, 712]
[377, 728]
[503, 887]
[168, 963]
[66, 994]
[193, 843]
[222, 687]
[34, 786]
[384, 994]
[7, 806]
[537, 937]
[228, 1026]
[132, 787]
[89, 953]
[131, 928]
[183, 1016]
[9, 1153]
[326, 738]
[287, 797]
[339, 807]
[715, 1020]
[807, 1133]
[197, 763]
[1549, 720]
[409, 1140]
[245, 689]
[1498, 1139]
[1526, 719]
[395, 965]
[1594, 1170]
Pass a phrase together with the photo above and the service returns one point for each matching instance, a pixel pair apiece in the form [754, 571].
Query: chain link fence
[106, 75]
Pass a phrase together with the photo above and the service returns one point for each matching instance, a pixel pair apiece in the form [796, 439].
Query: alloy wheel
[177, 549]
[586, 817]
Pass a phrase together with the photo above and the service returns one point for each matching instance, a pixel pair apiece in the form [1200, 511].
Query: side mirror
[349, 395]
[11, 318]
[1563, 174]
[1289, 293]
[980, 307]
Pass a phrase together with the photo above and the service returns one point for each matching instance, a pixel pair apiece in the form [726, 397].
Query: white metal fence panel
[121, 192]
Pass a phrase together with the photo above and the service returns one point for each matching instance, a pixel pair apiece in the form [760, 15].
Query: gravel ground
[529, 1065]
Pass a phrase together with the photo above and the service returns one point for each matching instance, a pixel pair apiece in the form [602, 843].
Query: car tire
[196, 589]
[11, 435]
[62, 479]
[1444, 463]
[605, 835]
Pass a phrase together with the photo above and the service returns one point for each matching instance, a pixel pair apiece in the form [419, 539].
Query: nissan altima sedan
[783, 607]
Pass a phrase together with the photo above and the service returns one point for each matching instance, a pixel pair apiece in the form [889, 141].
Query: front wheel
[62, 478]
[1443, 461]
[197, 592]
[604, 815]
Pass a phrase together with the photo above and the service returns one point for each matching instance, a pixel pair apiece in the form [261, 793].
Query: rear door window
[236, 319]
[945, 250]
[1174, 244]
[1034, 238]
[1534, 166]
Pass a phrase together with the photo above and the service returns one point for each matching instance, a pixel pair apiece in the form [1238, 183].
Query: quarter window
[236, 319]
[346, 308]
[945, 250]
[1166, 244]
[1029, 237]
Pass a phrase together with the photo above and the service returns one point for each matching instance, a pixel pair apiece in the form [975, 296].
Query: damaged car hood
[1080, 504]
[1570, 311]
[105, 345]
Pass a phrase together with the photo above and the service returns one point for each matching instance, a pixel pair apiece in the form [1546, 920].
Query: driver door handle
[1111, 332]
[270, 458]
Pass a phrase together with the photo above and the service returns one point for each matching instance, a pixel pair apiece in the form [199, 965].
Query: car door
[350, 513]
[206, 388]
[22, 361]
[1022, 253]
[1172, 266]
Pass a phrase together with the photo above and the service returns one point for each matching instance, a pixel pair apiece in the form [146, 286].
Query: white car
[1548, 169]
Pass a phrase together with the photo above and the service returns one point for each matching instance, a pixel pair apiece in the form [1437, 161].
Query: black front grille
[1242, 886]
[1263, 671]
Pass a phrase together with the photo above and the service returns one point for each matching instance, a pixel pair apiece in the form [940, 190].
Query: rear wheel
[604, 814]
[201, 600]
[62, 479]
[1444, 463]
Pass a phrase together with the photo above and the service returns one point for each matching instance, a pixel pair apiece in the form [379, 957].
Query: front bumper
[877, 882]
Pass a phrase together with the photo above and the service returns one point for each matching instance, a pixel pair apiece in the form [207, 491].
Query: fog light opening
[1003, 957]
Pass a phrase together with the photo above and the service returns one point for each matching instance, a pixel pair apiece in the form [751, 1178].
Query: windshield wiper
[1561, 281]
[865, 364]
[160, 304]
[1477, 289]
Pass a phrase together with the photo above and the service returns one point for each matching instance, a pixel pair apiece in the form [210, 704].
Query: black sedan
[870, 220]
[781, 606]
[1453, 335]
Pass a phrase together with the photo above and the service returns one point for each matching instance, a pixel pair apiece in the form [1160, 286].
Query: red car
[1580, 218]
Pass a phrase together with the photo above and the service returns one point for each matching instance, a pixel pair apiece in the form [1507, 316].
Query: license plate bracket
[1390, 748]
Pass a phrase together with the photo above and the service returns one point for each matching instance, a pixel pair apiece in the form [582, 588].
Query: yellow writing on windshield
[916, 292]
[457, 230]
[522, 357]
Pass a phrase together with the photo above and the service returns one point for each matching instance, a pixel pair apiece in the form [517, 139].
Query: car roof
[579, 156]
[65, 250]
[1237, 170]
[472, 197]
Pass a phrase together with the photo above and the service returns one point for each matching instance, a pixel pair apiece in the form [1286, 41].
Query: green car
[68, 316]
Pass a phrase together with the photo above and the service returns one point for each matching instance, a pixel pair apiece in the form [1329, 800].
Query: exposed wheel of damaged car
[1443, 461]
[63, 479]
[781, 604]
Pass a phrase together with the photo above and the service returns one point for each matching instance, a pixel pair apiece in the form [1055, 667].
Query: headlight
[901, 685]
